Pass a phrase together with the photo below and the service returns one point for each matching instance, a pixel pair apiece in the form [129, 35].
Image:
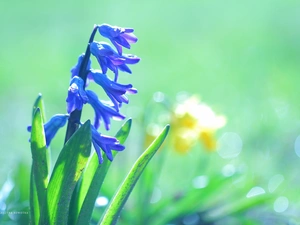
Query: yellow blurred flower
[191, 121]
[194, 121]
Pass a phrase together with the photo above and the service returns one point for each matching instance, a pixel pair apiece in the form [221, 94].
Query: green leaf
[34, 203]
[33, 199]
[87, 190]
[145, 189]
[113, 210]
[39, 103]
[40, 167]
[66, 173]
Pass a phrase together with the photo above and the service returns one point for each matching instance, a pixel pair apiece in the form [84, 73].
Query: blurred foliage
[241, 57]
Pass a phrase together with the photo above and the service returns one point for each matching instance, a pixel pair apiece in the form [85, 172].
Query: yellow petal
[208, 140]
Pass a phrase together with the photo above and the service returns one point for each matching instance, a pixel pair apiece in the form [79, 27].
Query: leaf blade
[91, 182]
[113, 210]
[66, 173]
[33, 202]
[40, 167]
[39, 103]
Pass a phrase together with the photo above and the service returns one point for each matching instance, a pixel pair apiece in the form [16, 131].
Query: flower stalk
[74, 119]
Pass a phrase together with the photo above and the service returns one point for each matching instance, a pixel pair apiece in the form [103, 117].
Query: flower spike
[106, 143]
[109, 57]
[102, 111]
[118, 36]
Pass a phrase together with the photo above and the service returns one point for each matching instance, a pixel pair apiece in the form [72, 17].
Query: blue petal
[108, 58]
[75, 69]
[115, 91]
[76, 95]
[52, 126]
[102, 111]
[106, 143]
[118, 36]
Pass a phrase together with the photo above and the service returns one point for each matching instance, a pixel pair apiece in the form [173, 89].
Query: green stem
[74, 119]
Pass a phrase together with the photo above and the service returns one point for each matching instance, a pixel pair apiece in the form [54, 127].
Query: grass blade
[83, 200]
[40, 167]
[113, 210]
[39, 103]
[66, 173]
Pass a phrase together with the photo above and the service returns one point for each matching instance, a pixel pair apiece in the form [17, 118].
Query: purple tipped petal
[118, 36]
[131, 38]
[128, 30]
[118, 47]
[132, 91]
[115, 91]
[108, 58]
[125, 68]
[103, 111]
[118, 147]
[103, 65]
[117, 61]
[106, 143]
[122, 41]
[98, 151]
[131, 59]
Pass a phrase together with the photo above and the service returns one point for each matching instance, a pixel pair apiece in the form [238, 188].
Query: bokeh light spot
[281, 204]
[228, 170]
[4, 193]
[229, 145]
[297, 146]
[101, 201]
[200, 182]
[255, 191]
[158, 96]
[156, 195]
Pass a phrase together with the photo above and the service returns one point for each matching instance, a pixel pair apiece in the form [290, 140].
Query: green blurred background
[241, 57]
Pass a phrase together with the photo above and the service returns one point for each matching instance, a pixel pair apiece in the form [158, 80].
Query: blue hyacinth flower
[108, 58]
[75, 69]
[115, 91]
[52, 126]
[76, 95]
[103, 111]
[106, 143]
[118, 36]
